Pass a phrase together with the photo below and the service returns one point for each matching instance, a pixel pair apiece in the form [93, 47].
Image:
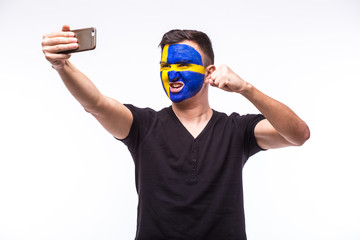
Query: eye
[165, 66]
[183, 65]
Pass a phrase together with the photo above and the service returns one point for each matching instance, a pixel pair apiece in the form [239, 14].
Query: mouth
[176, 86]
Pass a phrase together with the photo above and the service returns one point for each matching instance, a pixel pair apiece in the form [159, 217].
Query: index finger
[214, 75]
[59, 34]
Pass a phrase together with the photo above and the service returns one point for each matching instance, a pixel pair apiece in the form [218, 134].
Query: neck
[196, 108]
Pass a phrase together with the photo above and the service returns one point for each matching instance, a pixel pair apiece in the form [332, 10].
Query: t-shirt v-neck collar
[187, 132]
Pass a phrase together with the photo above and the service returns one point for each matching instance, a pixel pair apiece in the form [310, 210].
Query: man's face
[181, 71]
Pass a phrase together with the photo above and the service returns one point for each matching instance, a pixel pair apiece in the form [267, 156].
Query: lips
[176, 87]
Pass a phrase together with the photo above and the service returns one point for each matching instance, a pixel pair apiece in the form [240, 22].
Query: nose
[173, 76]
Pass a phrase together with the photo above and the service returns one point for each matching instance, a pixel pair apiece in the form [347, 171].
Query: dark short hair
[204, 42]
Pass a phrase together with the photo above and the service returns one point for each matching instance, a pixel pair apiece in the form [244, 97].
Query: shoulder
[239, 119]
[145, 117]
[144, 120]
[133, 108]
[147, 110]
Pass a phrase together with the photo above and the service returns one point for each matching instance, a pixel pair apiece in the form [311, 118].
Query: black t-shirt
[190, 188]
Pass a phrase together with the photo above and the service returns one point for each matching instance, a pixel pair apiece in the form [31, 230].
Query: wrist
[246, 89]
[60, 66]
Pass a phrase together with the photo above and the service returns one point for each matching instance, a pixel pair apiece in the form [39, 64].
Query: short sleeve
[142, 121]
[253, 146]
[246, 126]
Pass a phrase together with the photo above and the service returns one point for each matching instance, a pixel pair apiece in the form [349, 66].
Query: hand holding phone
[86, 39]
[55, 44]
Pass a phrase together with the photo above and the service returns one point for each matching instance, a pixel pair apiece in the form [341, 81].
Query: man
[188, 157]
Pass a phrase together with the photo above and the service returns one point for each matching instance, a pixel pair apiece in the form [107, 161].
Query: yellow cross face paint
[181, 71]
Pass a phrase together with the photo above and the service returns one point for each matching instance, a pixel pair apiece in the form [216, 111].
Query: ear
[209, 70]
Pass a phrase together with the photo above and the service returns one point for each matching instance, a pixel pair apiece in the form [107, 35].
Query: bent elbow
[303, 135]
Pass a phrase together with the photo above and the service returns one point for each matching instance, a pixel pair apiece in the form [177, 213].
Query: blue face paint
[182, 71]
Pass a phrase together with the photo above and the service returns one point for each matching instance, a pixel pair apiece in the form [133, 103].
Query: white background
[63, 177]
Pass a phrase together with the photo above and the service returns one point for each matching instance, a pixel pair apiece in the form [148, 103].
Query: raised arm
[281, 128]
[113, 116]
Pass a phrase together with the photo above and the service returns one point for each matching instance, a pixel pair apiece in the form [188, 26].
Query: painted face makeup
[181, 71]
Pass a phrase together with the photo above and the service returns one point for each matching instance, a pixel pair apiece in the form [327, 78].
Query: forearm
[281, 117]
[80, 86]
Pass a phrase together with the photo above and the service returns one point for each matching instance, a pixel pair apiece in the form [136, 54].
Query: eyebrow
[182, 61]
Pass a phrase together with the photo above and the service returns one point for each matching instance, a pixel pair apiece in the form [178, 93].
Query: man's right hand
[56, 42]
[113, 116]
